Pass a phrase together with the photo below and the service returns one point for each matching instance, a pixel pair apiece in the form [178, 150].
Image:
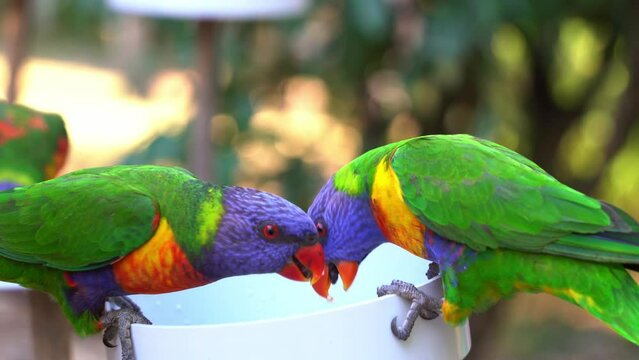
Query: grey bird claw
[400, 332]
[110, 334]
[427, 307]
[117, 323]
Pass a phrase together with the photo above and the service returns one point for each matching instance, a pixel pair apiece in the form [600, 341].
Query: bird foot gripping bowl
[269, 317]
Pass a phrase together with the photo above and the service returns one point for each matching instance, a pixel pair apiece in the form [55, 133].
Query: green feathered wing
[79, 221]
[486, 196]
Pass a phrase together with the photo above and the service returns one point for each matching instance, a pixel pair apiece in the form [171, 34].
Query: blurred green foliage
[546, 78]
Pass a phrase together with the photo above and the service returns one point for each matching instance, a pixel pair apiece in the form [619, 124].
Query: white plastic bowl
[6, 286]
[269, 317]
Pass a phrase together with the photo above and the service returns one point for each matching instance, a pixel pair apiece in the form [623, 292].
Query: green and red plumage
[493, 220]
[33, 145]
[105, 232]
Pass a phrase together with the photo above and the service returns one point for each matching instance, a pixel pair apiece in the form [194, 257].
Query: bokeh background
[297, 98]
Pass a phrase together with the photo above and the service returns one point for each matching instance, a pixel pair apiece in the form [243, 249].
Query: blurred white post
[210, 15]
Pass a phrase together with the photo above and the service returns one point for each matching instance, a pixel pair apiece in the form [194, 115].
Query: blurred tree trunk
[16, 28]
[373, 125]
[201, 150]
[549, 121]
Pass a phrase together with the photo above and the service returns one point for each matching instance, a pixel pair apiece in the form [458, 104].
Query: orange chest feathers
[158, 266]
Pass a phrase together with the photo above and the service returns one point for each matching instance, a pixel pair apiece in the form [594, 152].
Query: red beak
[307, 263]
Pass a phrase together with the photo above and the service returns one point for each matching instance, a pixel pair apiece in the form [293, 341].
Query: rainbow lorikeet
[33, 145]
[494, 222]
[103, 233]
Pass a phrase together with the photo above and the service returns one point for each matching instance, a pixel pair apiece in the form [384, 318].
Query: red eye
[270, 231]
[321, 229]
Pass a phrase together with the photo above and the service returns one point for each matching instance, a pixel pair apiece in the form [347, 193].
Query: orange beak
[348, 271]
[323, 284]
[307, 263]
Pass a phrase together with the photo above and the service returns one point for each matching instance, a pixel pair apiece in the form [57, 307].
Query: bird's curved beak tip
[347, 271]
[322, 285]
[307, 264]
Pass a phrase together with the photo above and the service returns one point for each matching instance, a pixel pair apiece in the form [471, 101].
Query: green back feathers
[484, 195]
[91, 217]
[488, 196]
[33, 145]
